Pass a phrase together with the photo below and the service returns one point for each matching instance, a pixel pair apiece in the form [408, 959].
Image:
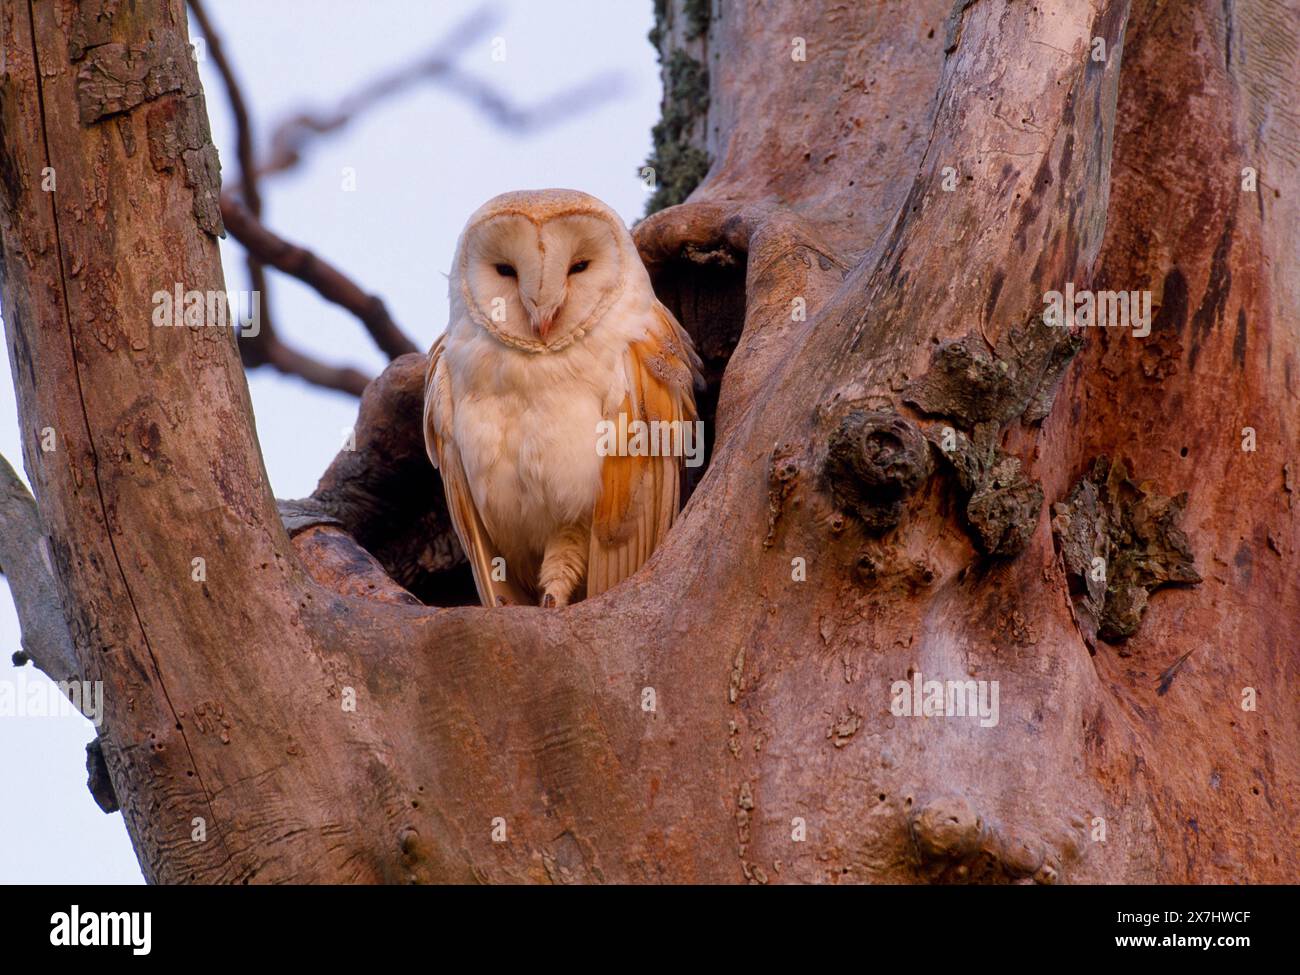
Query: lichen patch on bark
[1134, 532]
[1001, 503]
[973, 384]
[679, 159]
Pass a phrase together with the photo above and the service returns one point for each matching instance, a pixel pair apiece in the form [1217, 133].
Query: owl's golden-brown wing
[465, 518]
[640, 495]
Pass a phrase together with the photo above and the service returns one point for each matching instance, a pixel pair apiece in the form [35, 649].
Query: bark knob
[948, 828]
[875, 459]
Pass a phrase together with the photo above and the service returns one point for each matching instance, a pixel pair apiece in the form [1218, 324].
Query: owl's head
[537, 268]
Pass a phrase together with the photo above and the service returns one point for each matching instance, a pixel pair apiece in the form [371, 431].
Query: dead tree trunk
[904, 481]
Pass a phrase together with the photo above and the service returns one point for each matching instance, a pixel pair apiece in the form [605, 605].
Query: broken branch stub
[874, 460]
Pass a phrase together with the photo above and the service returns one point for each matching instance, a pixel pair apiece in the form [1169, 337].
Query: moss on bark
[678, 158]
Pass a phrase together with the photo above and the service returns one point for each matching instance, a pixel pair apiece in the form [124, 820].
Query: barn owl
[555, 334]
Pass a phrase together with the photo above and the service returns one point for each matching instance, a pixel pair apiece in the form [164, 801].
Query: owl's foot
[563, 564]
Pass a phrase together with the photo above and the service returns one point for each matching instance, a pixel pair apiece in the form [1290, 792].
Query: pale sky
[423, 162]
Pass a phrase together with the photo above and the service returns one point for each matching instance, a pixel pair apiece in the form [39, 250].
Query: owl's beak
[541, 317]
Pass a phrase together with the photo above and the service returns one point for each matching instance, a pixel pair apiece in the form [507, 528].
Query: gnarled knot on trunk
[874, 460]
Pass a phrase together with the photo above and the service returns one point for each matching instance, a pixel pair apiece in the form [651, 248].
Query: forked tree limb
[920, 599]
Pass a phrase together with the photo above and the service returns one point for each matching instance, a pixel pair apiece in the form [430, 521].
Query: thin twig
[291, 362]
[290, 136]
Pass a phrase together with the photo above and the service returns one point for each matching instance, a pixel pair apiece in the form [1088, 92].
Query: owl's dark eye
[506, 270]
[579, 267]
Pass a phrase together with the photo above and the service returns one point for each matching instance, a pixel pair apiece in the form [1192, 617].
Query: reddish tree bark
[920, 440]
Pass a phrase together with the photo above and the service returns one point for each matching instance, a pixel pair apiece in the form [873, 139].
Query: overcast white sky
[423, 162]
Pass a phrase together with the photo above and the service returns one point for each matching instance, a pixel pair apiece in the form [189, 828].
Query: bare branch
[292, 137]
[266, 347]
[327, 280]
[288, 360]
[243, 218]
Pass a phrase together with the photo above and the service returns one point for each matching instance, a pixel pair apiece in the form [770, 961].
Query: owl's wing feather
[640, 495]
[465, 518]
